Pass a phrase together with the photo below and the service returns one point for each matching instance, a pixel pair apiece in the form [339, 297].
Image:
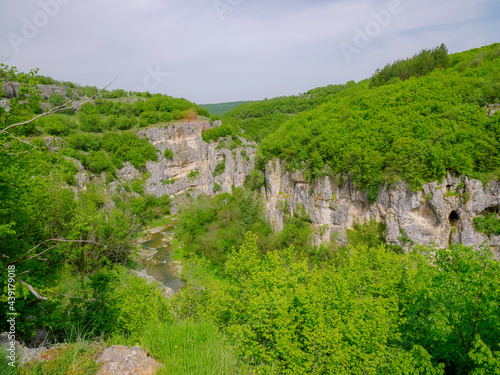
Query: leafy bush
[193, 174]
[138, 186]
[125, 122]
[56, 100]
[168, 154]
[168, 182]
[174, 344]
[488, 224]
[219, 168]
[90, 123]
[84, 142]
[148, 118]
[217, 187]
[370, 234]
[166, 117]
[255, 180]
[216, 133]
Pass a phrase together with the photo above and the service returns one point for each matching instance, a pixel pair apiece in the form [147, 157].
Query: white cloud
[261, 49]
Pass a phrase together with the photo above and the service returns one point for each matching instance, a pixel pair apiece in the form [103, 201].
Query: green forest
[254, 300]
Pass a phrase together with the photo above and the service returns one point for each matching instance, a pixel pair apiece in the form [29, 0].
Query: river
[160, 265]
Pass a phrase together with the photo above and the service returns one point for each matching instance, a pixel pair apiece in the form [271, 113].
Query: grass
[76, 357]
[191, 348]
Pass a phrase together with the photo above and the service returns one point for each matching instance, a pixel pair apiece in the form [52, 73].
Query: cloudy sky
[211, 51]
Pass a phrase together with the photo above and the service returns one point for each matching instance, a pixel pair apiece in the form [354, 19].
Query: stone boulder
[121, 360]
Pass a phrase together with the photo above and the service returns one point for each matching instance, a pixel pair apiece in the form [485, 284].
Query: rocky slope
[191, 155]
[442, 213]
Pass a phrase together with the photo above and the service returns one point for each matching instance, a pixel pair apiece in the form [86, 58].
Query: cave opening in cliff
[454, 217]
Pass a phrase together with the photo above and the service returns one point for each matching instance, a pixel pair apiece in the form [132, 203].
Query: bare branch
[19, 139]
[44, 242]
[32, 290]
[59, 108]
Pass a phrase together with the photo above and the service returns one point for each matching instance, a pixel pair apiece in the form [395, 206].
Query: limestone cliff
[441, 213]
[190, 155]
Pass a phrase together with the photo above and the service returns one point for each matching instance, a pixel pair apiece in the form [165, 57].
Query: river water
[160, 265]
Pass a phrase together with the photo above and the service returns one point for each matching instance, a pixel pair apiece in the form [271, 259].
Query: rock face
[191, 155]
[11, 90]
[442, 213]
[120, 360]
[23, 354]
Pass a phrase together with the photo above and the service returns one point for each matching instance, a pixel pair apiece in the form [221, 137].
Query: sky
[211, 51]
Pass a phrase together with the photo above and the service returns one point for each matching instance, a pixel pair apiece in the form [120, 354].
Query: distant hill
[414, 120]
[222, 108]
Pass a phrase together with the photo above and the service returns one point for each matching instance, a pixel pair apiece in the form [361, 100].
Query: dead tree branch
[32, 290]
[43, 252]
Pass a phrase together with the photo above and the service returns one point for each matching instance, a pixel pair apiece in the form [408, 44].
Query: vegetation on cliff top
[415, 120]
[271, 304]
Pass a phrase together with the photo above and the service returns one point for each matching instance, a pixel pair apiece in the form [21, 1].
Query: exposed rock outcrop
[193, 155]
[120, 360]
[23, 354]
[442, 213]
[11, 90]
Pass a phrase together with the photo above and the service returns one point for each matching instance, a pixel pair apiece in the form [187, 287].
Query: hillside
[221, 109]
[414, 127]
[350, 229]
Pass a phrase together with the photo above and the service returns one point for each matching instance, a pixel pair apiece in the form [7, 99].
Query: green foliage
[168, 154]
[255, 180]
[124, 304]
[108, 151]
[203, 112]
[431, 311]
[221, 109]
[322, 320]
[138, 186]
[210, 227]
[193, 174]
[416, 130]
[450, 296]
[56, 100]
[25, 105]
[212, 135]
[90, 123]
[217, 187]
[488, 224]
[148, 118]
[419, 65]
[168, 182]
[258, 119]
[56, 125]
[485, 361]
[125, 122]
[174, 345]
[370, 234]
[219, 168]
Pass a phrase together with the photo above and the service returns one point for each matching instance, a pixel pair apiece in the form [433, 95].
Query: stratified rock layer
[192, 154]
[441, 213]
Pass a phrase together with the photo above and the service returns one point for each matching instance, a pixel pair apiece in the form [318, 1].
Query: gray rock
[23, 354]
[442, 213]
[120, 360]
[191, 153]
